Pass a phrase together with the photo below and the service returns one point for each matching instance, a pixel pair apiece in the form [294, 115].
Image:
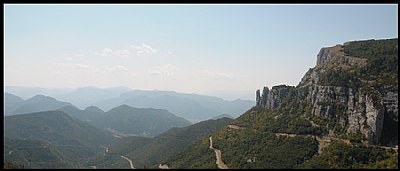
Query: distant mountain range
[190, 106]
[15, 105]
[87, 96]
[10, 101]
[29, 92]
[125, 120]
[122, 120]
[193, 107]
[139, 121]
[87, 115]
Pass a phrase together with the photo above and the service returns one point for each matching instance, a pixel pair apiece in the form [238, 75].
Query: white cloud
[123, 53]
[66, 68]
[167, 53]
[109, 52]
[85, 67]
[167, 69]
[74, 57]
[218, 74]
[116, 69]
[75, 67]
[68, 58]
[155, 72]
[105, 52]
[99, 54]
[144, 49]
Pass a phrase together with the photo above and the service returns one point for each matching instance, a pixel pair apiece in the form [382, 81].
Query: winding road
[130, 162]
[163, 166]
[219, 161]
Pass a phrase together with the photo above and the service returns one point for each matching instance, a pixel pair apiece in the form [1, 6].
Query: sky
[228, 51]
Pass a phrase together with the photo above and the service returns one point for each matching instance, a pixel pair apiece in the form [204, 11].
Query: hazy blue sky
[205, 49]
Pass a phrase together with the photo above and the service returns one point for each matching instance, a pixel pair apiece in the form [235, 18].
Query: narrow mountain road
[106, 150]
[322, 142]
[396, 149]
[285, 134]
[277, 116]
[314, 124]
[219, 161]
[130, 162]
[163, 166]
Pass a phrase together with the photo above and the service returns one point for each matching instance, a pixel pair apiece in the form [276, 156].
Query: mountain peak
[36, 104]
[327, 54]
[41, 97]
[10, 98]
[94, 109]
[88, 87]
[124, 106]
[222, 116]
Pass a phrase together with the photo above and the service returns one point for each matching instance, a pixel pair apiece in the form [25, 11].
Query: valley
[345, 123]
[200, 86]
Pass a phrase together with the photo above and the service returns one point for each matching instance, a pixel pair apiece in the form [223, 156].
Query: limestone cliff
[341, 88]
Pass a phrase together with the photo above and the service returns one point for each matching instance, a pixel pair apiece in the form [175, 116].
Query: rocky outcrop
[329, 53]
[335, 56]
[353, 110]
[272, 99]
[356, 110]
[390, 102]
[365, 117]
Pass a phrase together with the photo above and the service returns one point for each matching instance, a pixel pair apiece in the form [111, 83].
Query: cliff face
[337, 89]
[271, 99]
